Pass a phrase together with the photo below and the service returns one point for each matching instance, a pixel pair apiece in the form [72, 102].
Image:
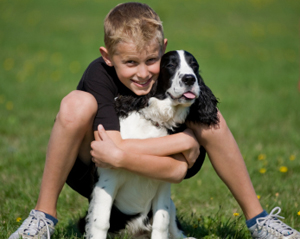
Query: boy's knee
[77, 108]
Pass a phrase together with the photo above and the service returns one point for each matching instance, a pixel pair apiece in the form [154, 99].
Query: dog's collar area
[156, 124]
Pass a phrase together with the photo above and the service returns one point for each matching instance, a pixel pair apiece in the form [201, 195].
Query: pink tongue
[189, 95]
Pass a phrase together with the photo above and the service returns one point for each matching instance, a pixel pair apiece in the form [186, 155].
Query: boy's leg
[228, 162]
[70, 137]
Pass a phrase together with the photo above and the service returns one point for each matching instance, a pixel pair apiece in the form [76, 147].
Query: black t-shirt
[102, 82]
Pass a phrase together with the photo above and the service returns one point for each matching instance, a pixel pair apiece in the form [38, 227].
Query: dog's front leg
[100, 207]
[161, 207]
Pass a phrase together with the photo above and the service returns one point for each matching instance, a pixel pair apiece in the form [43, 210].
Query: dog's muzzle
[188, 79]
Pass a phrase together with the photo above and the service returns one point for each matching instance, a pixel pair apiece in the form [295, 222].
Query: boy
[134, 45]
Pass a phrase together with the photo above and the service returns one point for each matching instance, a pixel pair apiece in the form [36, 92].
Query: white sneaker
[35, 226]
[270, 227]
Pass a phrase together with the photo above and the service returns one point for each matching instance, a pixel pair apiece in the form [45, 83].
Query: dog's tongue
[189, 95]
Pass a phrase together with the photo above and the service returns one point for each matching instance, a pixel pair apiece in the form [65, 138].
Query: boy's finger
[101, 132]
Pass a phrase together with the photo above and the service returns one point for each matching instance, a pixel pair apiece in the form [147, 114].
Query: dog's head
[178, 78]
[180, 81]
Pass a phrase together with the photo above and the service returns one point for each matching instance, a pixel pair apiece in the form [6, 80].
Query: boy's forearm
[163, 146]
[106, 151]
[170, 169]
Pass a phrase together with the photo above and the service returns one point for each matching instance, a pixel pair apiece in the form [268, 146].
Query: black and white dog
[178, 94]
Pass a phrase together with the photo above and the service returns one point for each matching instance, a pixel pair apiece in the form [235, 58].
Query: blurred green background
[248, 53]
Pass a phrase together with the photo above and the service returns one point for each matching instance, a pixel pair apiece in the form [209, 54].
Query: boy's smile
[138, 71]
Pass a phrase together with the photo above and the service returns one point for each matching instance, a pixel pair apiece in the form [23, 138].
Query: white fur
[165, 113]
[132, 193]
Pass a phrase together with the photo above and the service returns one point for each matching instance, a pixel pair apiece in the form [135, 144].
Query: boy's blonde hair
[132, 22]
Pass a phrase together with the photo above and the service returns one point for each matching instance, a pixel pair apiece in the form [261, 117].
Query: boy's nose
[142, 72]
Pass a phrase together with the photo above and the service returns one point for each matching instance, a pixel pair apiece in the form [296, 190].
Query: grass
[249, 56]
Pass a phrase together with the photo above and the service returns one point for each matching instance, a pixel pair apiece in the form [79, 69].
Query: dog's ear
[204, 109]
[124, 104]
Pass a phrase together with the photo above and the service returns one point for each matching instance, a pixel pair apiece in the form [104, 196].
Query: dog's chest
[137, 192]
[135, 126]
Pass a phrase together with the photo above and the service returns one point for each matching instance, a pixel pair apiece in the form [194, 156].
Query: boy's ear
[165, 45]
[105, 56]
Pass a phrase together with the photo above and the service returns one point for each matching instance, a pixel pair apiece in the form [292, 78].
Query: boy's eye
[130, 63]
[152, 60]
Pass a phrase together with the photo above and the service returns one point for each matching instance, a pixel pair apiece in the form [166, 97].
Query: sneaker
[36, 226]
[270, 227]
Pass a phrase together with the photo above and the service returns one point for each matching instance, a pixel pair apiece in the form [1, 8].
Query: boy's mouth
[142, 83]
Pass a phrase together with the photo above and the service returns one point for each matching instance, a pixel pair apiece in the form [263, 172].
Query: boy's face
[138, 71]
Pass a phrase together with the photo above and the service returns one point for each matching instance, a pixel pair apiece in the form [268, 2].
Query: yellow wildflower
[292, 157]
[283, 169]
[258, 196]
[262, 170]
[298, 213]
[18, 219]
[236, 214]
[9, 105]
[262, 157]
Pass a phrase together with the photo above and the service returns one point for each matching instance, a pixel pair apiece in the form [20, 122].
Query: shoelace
[272, 221]
[36, 219]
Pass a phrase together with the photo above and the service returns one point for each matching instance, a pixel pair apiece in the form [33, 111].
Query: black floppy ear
[204, 110]
[124, 104]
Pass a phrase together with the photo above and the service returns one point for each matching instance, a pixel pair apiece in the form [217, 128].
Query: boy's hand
[105, 153]
[193, 151]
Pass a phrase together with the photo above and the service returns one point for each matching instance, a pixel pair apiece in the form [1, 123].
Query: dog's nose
[188, 79]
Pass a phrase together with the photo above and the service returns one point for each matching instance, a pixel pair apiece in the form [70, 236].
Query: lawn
[249, 56]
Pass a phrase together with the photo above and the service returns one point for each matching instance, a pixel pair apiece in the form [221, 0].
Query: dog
[144, 204]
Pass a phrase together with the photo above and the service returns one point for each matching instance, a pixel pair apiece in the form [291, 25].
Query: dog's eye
[194, 65]
[171, 65]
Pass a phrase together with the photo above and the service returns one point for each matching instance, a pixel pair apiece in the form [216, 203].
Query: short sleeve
[197, 165]
[100, 81]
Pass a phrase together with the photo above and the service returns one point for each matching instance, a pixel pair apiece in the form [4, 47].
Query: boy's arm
[106, 153]
[184, 143]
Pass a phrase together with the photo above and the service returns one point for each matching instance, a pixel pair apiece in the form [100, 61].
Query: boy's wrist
[120, 159]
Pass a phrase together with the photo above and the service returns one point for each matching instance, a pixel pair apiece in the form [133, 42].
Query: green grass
[248, 53]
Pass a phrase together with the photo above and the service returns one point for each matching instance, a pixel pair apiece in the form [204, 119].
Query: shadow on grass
[70, 231]
[194, 226]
